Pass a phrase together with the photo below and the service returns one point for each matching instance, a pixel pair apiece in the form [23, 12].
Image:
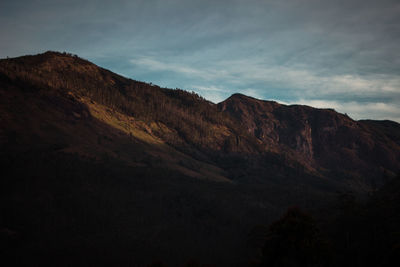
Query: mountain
[98, 164]
[320, 139]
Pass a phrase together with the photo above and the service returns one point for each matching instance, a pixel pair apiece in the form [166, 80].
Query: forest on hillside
[98, 169]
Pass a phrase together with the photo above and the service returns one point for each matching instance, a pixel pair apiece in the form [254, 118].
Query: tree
[294, 240]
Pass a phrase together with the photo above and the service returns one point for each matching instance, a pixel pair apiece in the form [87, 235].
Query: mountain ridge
[317, 139]
[99, 167]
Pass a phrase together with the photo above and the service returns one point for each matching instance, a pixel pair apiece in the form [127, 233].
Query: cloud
[155, 65]
[212, 93]
[373, 96]
[300, 82]
[289, 50]
[358, 110]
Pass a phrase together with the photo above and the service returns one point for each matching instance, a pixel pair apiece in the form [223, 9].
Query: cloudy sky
[342, 54]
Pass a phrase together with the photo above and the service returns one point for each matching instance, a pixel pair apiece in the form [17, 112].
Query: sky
[341, 54]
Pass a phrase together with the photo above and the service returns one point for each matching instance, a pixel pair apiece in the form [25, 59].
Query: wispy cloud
[357, 110]
[300, 81]
[343, 51]
[212, 93]
[155, 65]
[359, 96]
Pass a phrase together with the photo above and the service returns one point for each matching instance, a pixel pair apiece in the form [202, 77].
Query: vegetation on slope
[97, 164]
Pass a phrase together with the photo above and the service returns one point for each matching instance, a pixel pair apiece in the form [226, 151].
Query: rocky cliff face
[318, 138]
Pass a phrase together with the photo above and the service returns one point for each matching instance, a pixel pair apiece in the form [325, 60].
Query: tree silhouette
[294, 240]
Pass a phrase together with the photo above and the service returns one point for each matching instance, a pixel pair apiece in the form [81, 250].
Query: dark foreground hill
[100, 169]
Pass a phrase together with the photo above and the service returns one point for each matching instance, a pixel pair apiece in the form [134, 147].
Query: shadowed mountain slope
[145, 173]
[320, 139]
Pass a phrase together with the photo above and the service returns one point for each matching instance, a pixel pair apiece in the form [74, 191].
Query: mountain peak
[239, 96]
[239, 103]
[243, 97]
[47, 60]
